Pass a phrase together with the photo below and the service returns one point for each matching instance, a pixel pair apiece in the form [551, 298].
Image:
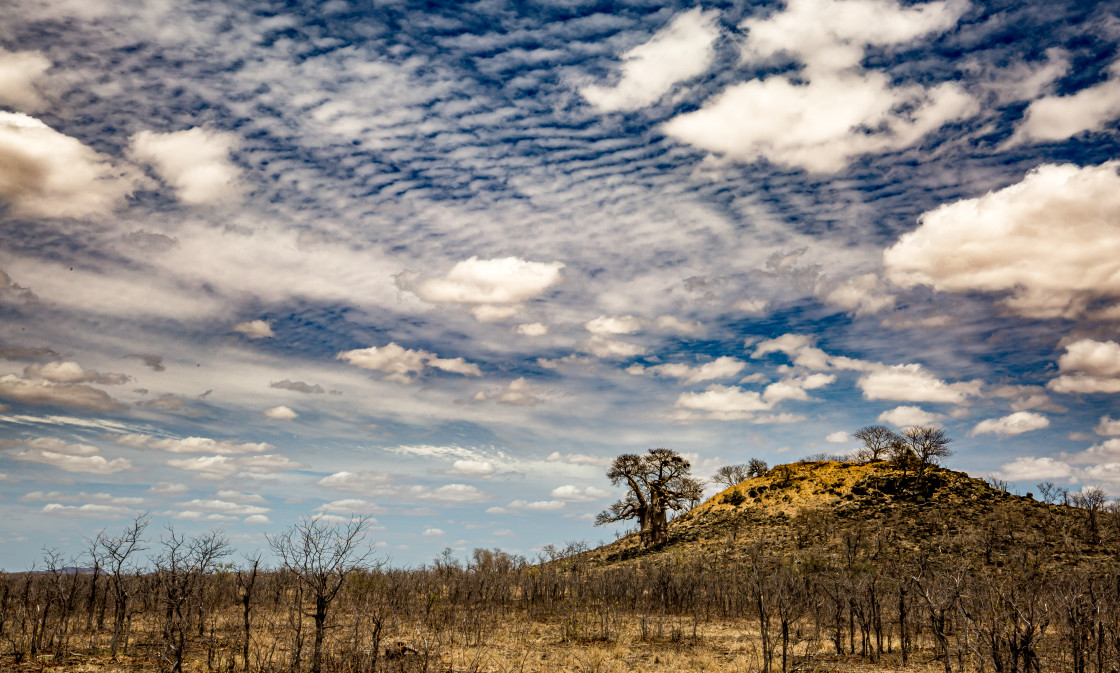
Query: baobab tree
[659, 481]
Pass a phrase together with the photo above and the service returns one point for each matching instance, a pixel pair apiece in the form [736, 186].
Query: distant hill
[823, 508]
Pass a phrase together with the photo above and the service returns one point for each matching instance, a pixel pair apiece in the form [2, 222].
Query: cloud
[37, 391]
[1014, 424]
[492, 288]
[18, 73]
[571, 493]
[1027, 468]
[257, 520]
[224, 507]
[1087, 366]
[1107, 452]
[1059, 117]
[533, 329]
[579, 459]
[433, 532]
[367, 482]
[838, 437]
[192, 444]
[71, 372]
[722, 367]
[675, 325]
[454, 494]
[25, 353]
[519, 393]
[298, 386]
[350, 506]
[88, 511]
[153, 362]
[530, 506]
[799, 348]
[370, 483]
[44, 173]
[834, 110]
[724, 403]
[912, 383]
[168, 488]
[794, 388]
[474, 468]
[280, 413]
[254, 329]
[908, 416]
[1108, 426]
[80, 458]
[680, 51]
[861, 295]
[602, 347]
[195, 162]
[607, 325]
[219, 467]
[403, 365]
[1050, 241]
[751, 306]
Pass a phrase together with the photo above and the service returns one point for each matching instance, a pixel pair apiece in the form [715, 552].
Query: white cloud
[798, 347]
[362, 483]
[1061, 117]
[254, 329]
[680, 51]
[533, 329]
[572, 493]
[433, 532]
[402, 365]
[88, 511]
[350, 506]
[192, 444]
[1108, 426]
[257, 520]
[218, 467]
[224, 507]
[861, 295]
[526, 505]
[1087, 366]
[71, 372]
[841, 111]
[579, 459]
[194, 162]
[794, 388]
[675, 325]
[751, 306]
[493, 288]
[912, 383]
[69, 457]
[721, 367]
[724, 402]
[838, 437]
[1013, 424]
[1050, 241]
[1106, 452]
[18, 73]
[455, 494]
[44, 173]
[168, 488]
[280, 413]
[1026, 468]
[476, 468]
[607, 325]
[602, 347]
[519, 393]
[907, 416]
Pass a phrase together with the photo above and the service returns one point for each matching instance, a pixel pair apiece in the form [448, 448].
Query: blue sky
[439, 263]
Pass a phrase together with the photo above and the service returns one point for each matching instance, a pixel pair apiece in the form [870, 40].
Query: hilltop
[823, 508]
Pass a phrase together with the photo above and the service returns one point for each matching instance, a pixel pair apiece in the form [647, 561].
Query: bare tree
[927, 444]
[116, 554]
[729, 475]
[182, 566]
[659, 481]
[322, 555]
[756, 467]
[246, 581]
[877, 442]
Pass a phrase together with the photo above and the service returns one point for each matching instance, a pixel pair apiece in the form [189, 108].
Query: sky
[438, 263]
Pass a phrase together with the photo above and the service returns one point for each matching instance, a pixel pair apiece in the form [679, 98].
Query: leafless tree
[729, 475]
[182, 565]
[877, 442]
[322, 555]
[116, 554]
[928, 444]
[756, 467]
[246, 581]
[659, 481]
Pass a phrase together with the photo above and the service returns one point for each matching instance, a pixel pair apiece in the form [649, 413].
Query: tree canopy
[659, 481]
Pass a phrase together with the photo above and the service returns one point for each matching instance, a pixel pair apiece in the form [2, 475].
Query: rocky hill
[827, 508]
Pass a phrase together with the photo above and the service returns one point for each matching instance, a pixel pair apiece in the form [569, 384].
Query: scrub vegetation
[880, 563]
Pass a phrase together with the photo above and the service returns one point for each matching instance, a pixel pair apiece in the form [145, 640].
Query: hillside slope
[826, 508]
